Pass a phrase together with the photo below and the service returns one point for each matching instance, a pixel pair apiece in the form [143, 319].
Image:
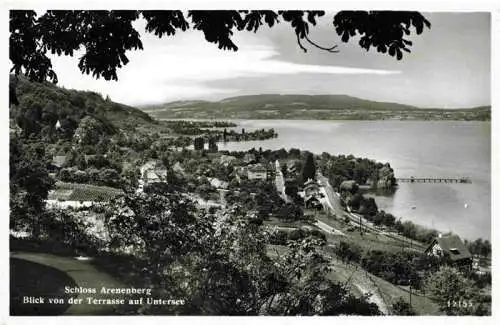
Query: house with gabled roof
[311, 188]
[452, 249]
[257, 171]
[153, 172]
[226, 160]
[249, 158]
[57, 163]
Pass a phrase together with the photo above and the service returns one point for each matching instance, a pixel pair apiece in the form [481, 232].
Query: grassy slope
[350, 274]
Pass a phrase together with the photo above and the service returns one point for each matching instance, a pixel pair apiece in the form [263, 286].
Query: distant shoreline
[316, 107]
[304, 118]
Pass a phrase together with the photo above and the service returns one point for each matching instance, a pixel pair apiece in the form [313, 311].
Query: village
[269, 187]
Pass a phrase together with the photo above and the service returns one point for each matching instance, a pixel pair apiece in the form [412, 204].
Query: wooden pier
[461, 180]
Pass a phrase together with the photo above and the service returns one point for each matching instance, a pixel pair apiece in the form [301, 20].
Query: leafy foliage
[449, 287]
[362, 205]
[309, 169]
[348, 252]
[155, 226]
[42, 105]
[479, 247]
[402, 308]
[397, 268]
[106, 36]
[341, 168]
[219, 262]
[383, 30]
[29, 184]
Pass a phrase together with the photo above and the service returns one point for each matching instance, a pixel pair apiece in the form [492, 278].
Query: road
[85, 275]
[222, 198]
[336, 207]
[333, 198]
[280, 182]
[374, 297]
[328, 229]
[354, 276]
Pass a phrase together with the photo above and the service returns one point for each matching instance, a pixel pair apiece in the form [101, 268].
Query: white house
[69, 204]
[257, 171]
[226, 160]
[249, 158]
[311, 188]
[156, 175]
[217, 183]
[152, 172]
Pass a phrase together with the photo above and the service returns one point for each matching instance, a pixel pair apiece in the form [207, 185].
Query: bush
[397, 268]
[481, 280]
[61, 229]
[450, 285]
[296, 234]
[318, 233]
[348, 252]
[402, 308]
[278, 238]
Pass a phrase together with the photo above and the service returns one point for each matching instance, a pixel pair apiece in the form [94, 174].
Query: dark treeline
[398, 268]
[42, 105]
[176, 125]
[208, 129]
[363, 171]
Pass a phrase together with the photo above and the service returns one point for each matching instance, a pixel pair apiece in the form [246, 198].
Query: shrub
[296, 234]
[402, 308]
[348, 252]
[278, 238]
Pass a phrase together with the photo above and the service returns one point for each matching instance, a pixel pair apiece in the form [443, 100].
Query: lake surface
[413, 148]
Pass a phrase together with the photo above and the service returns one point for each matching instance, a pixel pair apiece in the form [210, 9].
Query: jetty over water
[461, 180]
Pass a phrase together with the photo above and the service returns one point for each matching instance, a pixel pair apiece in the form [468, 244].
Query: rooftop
[257, 168]
[453, 245]
[58, 160]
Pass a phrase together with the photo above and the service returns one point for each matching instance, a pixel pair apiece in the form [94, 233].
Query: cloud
[181, 67]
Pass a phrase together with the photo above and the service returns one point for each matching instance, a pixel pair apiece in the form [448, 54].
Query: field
[83, 192]
[272, 221]
[368, 240]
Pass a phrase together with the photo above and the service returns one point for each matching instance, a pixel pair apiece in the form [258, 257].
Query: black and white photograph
[248, 162]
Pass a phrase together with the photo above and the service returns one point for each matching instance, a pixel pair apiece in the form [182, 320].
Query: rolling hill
[277, 106]
[43, 104]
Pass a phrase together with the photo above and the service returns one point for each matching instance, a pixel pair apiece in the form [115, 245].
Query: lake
[413, 148]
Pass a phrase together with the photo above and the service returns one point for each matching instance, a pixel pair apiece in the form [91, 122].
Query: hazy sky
[449, 67]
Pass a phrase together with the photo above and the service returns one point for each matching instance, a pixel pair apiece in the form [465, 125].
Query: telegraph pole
[410, 292]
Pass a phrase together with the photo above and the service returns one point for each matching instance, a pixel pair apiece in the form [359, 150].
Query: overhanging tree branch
[107, 36]
[300, 44]
[332, 49]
